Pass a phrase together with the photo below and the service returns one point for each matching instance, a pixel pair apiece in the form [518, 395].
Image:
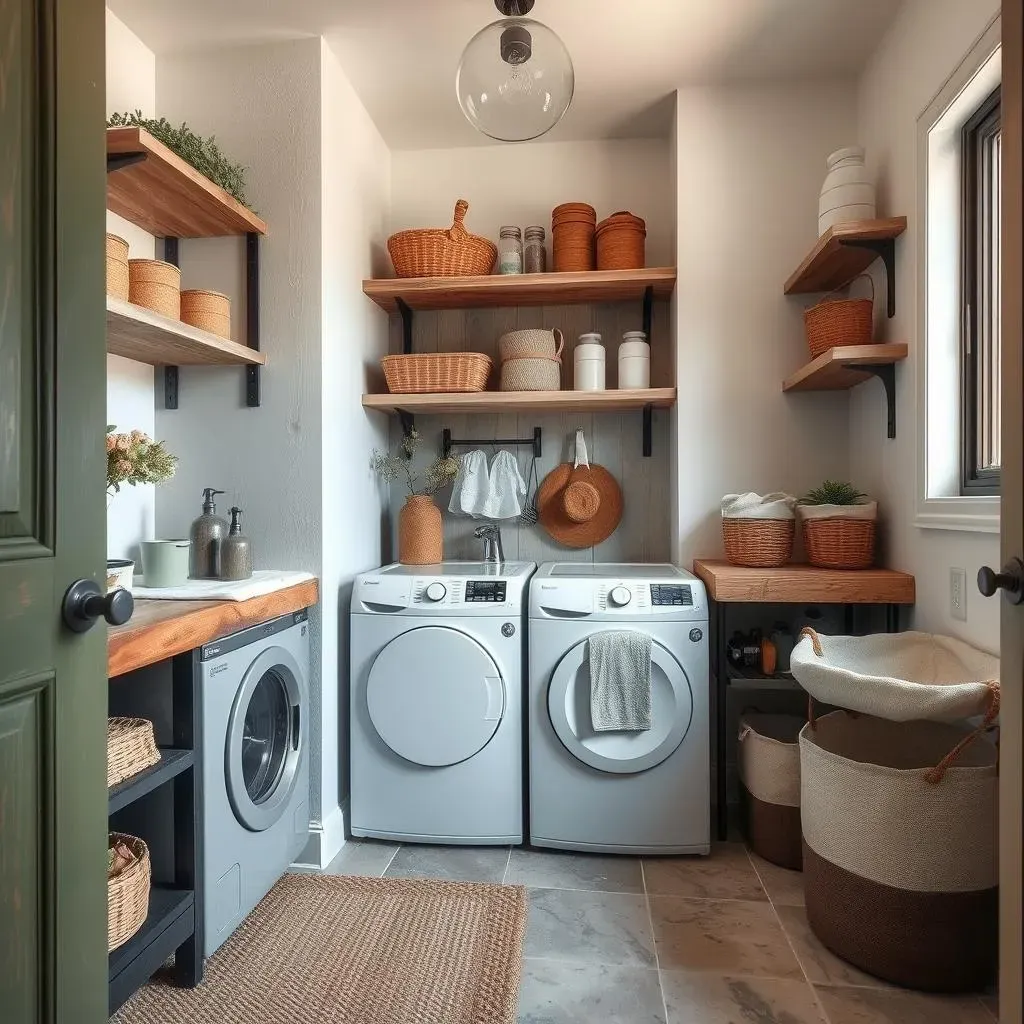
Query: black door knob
[84, 603]
[1010, 581]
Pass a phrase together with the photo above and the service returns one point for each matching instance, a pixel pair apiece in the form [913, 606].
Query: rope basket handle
[458, 230]
[839, 291]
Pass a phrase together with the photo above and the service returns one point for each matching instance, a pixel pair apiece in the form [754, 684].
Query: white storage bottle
[588, 363]
[634, 362]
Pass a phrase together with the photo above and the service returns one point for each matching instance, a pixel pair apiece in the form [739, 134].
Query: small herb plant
[397, 465]
[203, 154]
[135, 458]
[834, 492]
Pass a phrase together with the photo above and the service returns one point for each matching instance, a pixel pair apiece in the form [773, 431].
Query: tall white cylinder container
[589, 364]
[634, 362]
[848, 192]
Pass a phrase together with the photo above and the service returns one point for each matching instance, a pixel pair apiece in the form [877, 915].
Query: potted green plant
[420, 536]
[838, 522]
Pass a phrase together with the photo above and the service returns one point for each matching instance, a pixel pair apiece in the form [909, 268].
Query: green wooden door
[53, 961]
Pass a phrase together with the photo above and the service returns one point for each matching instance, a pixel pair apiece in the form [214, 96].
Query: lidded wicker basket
[117, 267]
[131, 748]
[436, 373]
[834, 322]
[127, 892]
[155, 285]
[621, 242]
[209, 311]
[572, 237]
[442, 252]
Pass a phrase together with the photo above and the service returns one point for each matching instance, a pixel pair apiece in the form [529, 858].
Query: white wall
[925, 45]
[131, 85]
[750, 164]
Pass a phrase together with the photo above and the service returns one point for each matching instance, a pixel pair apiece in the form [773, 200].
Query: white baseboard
[326, 838]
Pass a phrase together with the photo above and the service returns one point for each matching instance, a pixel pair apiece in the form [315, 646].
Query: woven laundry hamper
[769, 766]
[900, 871]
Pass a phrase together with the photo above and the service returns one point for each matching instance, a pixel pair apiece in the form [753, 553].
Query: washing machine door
[265, 739]
[621, 753]
[435, 696]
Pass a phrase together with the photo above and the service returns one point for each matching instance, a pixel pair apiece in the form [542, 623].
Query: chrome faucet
[491, 536]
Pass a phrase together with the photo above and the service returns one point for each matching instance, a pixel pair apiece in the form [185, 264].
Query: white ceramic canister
[634, 362]
[848, 193]
[588, 363]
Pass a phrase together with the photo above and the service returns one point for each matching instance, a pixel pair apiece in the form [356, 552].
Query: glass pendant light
[515, 78]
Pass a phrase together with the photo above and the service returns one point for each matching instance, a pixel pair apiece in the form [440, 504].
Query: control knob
[436, 592]
[620, 596]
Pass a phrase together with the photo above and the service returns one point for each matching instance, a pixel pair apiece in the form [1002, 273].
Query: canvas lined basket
[436, 373]
[155, 285]
[442, 252]
[531, 360]
[769, 768]
[840, 543]
[834, 322]
[900, 875]
[209, 311]
[131, 748]
[128, 893]
[117, 267]
[621, 242]
[573, 230]
[758, 543]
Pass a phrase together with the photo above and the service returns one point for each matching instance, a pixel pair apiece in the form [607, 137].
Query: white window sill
[963, 515]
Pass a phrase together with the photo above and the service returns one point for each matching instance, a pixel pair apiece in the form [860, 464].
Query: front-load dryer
[436, 702]
[619, 792]
[255, 707]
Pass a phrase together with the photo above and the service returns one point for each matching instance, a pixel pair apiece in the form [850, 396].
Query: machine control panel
[485, 592]
[679, 595]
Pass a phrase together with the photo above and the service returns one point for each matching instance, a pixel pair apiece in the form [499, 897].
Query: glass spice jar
[510, 250]
[536, 258]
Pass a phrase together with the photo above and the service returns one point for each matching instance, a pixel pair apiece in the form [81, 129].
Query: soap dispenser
[235, 551]
[207, 535]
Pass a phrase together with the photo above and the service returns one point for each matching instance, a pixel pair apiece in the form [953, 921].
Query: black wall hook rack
[448, 442]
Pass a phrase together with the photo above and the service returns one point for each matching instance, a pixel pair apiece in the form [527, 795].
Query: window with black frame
[980, 413]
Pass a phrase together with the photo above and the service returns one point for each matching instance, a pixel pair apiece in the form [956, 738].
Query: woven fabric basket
[573, 229]
[621, 242]
[531, 360]
[436, 373]
[834, 322]
[840, 543]
[131, 748]
[758, 543]
[117, 267]
[209, 311]
[420, 533]
[128, 893]
[155, 285]
[442, 252]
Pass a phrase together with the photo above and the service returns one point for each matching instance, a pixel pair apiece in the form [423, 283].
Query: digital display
[663, 594]
[489, 591]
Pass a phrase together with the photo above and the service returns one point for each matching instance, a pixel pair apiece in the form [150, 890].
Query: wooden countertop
[161, 629]
[798, 583]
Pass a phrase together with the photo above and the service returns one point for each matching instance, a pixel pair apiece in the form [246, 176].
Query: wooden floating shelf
[147, 337]
[166, 196]
[838, 258]
[833, 371]
[524, 401]
[433, 293]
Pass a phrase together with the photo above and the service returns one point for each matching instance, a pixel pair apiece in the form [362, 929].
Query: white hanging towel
[469, 491]
[620, 681]
[506, 491]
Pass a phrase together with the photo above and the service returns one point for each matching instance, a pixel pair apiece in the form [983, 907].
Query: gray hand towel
[620, 681]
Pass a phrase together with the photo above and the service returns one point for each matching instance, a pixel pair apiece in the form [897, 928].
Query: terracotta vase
[420, 537]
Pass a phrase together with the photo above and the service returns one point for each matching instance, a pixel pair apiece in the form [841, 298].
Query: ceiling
[629, 55]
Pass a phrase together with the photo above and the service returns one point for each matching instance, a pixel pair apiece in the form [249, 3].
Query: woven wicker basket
[131, 748]
[155, 285]
[840, 543]
[209, 311]
[128, 893]
[436, 373]
[117, 267]
[531, 360]
[759, 543]
[573, 228]
[442, 252]
[420, 534]
[621, 242]
[834, 322]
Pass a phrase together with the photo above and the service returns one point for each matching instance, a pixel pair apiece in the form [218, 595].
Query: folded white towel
[506, 488]
[469, 492]
[776, 505]
[620, 681]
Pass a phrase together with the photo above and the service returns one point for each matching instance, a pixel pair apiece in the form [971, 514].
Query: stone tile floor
[621, 940]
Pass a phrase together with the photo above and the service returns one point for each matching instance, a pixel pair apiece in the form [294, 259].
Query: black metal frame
[448, 442]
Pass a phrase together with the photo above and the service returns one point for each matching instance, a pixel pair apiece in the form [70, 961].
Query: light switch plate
[958, 594]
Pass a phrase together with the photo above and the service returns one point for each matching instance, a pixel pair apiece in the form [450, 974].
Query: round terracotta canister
[117, 267]
[209, 311]
[420, 537]
[155, 285]
[572, 237]
[621, 242]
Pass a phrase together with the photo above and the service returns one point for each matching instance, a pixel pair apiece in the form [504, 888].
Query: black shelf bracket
[118, 161]
[408, 422]
[885, 250]
[886, 373]
[448, 442]
[648, 428]
[252, 316]
[171, 255]
[648, 311]
[406, 313]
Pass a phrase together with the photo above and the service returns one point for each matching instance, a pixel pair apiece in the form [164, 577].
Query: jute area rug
[327, 950]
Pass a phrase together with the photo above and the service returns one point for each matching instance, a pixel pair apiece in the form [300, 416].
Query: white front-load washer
[254, 687]
[436, 702]
[619, 792]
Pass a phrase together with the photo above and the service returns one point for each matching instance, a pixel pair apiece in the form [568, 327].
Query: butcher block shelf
[835, 370]
[147, 337]
[166, 196]
[162, 629]
[525, 401]
[422, 293]
[800, 583]
[842, 253]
